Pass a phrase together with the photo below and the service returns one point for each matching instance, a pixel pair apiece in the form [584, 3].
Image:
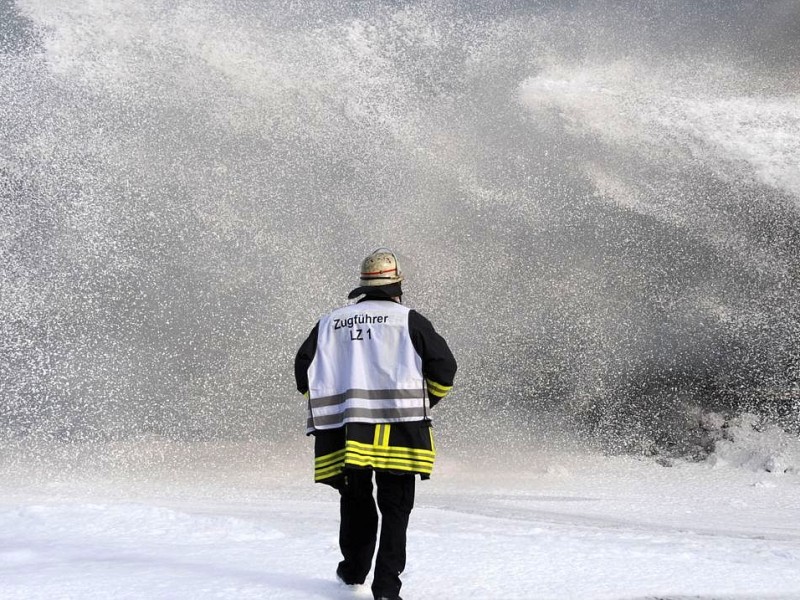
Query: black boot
[347, 579]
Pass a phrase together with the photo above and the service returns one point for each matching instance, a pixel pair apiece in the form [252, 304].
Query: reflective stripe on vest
[365, 369]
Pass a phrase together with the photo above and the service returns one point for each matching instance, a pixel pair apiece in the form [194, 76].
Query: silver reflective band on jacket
[367, 406]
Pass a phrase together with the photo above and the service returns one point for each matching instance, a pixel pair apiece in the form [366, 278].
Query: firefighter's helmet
[380, 268]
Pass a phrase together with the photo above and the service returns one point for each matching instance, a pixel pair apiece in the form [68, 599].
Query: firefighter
[371, 372]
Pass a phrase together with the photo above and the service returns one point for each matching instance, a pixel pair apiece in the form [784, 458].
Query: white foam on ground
[563, 527]
[751, 444]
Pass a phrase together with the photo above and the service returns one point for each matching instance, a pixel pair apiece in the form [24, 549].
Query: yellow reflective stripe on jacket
[324, 461]
[392, 464]
[437, 389]
[329, 465]
[385, 438]
[389, 457]
[389, 451]
[382, 435]
[378, 455]
[333, 471]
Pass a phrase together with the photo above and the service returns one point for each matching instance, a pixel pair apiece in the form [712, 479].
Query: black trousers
[359, 528]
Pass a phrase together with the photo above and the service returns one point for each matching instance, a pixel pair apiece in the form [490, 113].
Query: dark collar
[377, 292]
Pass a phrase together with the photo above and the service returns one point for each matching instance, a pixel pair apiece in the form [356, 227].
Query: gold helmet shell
[380, 268]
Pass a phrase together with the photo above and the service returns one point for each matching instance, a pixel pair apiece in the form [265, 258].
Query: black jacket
[405, 447]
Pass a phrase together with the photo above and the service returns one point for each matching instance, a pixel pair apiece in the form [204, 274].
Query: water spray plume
[600, 209]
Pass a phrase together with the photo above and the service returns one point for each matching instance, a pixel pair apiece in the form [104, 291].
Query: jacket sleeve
[303, 360]
[438, 362]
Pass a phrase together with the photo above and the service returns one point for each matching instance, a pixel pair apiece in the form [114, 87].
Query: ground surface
[547, 527]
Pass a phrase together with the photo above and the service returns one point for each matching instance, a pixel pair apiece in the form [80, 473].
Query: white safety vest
[365, 369]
